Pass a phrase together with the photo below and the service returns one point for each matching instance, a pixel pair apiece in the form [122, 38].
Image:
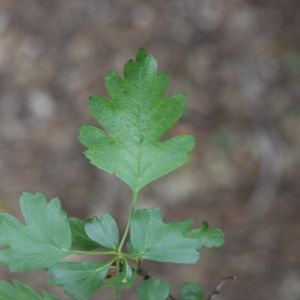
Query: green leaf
[21, 291]
[44, 240]
[191, 291]
[135, 118]
[103, 231]
[153, 289]
[127, 271]
[80, 280]
[208, 237]
[152, 239]
[80, 240]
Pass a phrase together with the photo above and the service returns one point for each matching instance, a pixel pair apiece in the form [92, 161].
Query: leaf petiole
[135, 193]
[80, 252]
[117, 278]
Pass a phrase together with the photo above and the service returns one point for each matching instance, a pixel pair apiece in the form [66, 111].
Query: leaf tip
[141, 54]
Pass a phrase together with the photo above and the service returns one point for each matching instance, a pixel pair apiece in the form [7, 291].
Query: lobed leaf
[135, 118]
[44, 240]
[21, 291]
[208, 237]
[153, 289]
[103, 231]
[152, 239]
[80, 280]
[191, 291]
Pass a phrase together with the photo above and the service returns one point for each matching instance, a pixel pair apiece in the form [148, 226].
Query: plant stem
[135, 193]
[117, 278]
[79, 252]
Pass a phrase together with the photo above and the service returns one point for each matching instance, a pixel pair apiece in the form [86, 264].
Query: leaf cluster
[134, 119]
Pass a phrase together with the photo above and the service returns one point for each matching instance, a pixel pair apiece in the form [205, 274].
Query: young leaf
[153, 289]
[191, 291]
[127, 271]
[152, 239]
[21, 291]
[103, 231]
[136, 117]
[80, 240]
[42, 242]
[208, 237]
[80, 280]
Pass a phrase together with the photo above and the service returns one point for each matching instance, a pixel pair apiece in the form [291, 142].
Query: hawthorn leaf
[21, 291]
[80, 280]
[153, 289]
[44, 240]
[152, 239]
[135, 118]
[208, 237]
[103, 231]
[80, 240]
[192, 291]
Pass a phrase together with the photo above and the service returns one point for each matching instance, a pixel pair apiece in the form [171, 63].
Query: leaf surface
[153, 289]
[191, 291]
[135, 119]
[44, 240]
[80, 240]
[21, 291]
[80, 280]
[103, 231]
[152, 239]
[208, 237]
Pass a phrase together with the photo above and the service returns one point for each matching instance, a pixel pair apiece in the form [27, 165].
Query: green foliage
[103, 231]
[153, 289]
[135, 120]
[154, 240]
[136, 117]
[80, 280]
[191, 291]
[42, 242]
[21, 291]
[208, 237]
[80, 240]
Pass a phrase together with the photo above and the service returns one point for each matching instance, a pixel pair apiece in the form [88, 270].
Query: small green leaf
[80, 240]
[42, 242]
[80, 280]
[153, 289]
[152, 239]
[127, 271]
[191, 291]
[135, 118]
[103, 231]
[21, 291]
[208, 237]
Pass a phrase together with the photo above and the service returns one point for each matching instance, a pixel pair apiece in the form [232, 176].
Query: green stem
[117, 278]
[79, 252]
[135, 193]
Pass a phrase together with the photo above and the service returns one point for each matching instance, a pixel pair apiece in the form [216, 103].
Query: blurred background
[238, 61]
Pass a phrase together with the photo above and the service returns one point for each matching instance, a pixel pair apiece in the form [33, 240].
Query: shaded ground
[238, 63]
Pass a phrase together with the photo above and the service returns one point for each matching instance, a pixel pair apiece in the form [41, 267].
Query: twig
[142, 272]
[218, 287]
